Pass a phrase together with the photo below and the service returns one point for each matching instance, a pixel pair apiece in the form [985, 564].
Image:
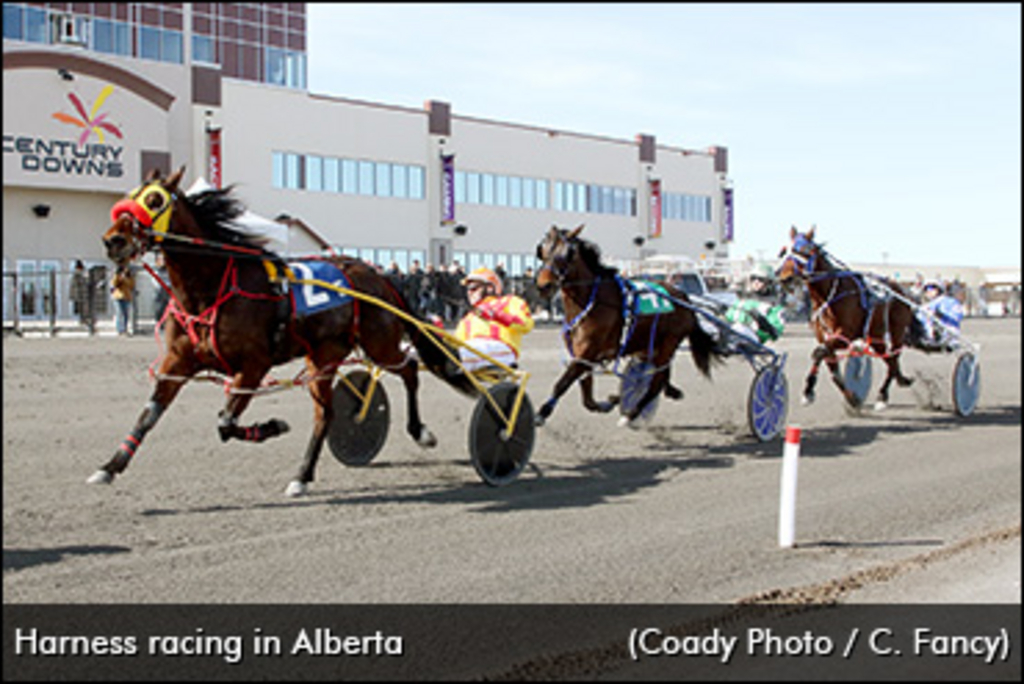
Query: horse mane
[215, 211]
[591, 255]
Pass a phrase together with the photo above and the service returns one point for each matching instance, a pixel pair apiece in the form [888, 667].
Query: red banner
[215, 160]
[654, 223]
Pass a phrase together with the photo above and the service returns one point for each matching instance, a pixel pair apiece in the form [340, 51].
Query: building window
[366, 177]
[416, 182]
[36, 29]
[162, 45]
[349, 176]
[399, 178]
[331, 176]
[383, 171]
[13, 18]
[111, 37]
[314, 172]
[285, 67]
[203, 49]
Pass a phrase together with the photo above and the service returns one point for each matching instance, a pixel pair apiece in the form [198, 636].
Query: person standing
[80, 292]
[122, 287]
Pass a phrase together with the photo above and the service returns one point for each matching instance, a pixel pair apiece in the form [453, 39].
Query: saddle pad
[650, 298]
[314, 298]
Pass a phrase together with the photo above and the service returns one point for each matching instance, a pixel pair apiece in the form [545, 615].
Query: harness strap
[567, 328]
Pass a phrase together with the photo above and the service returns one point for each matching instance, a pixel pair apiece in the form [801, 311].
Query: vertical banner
[447, 189]
[727, 219]
[654, 225]
[214, 172]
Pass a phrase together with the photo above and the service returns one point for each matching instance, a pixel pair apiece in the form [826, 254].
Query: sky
[895, 129]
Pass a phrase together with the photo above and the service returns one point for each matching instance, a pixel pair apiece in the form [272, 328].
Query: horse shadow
[551, 487]
[843, 440]
[19, 559]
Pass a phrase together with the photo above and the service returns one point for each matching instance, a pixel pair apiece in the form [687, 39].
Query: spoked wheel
[768, 403]
[499, 456]
[356, 442]
[857, 377]
[635, 382]
[966, 384]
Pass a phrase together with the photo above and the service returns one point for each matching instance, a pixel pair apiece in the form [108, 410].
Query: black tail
[431, 348]
[703, 349]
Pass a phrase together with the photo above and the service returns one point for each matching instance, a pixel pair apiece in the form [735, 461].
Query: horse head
[556, 253]
[800, 258]
[142, 218]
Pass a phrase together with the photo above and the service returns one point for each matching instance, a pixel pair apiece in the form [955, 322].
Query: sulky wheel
[768, 403]
[966, 384]
[499, 457]
[635, 381]
[354, 442]
[857, 377]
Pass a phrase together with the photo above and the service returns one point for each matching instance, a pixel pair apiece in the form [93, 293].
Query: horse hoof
[881, 405]
[605, 406]
[296, 488]
[281, 426]
[624, 421]
[807, 400]
[100, 477]
[539, 420]
[427, 439]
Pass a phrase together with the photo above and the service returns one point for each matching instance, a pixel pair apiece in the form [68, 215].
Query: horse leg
[837, 378]
[658, 382]
[323, 414]
[671, 391]
[892, 362]
[406, 367]
[161, 398]
[238, 400]
[587, 388]
[575, 370]
[817, 357]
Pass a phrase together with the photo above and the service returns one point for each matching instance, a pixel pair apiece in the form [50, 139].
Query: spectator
[160, 296]
[122, 287]
[80, 292]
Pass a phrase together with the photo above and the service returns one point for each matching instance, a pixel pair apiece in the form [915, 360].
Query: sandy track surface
[912, 504]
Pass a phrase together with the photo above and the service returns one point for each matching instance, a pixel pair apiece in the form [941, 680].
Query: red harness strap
[209, 316]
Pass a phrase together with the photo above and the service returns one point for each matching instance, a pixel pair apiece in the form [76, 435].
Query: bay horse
[595, 298]
[847, 315]
[228, 315]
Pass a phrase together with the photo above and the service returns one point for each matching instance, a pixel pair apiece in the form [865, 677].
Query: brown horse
[846, 315]
[594, 297]
[227, 314]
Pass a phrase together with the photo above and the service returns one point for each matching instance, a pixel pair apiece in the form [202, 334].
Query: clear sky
[895, 128]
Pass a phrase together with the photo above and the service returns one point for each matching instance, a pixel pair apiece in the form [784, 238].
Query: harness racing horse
[847, 315]
[595, 297]
[227, 314]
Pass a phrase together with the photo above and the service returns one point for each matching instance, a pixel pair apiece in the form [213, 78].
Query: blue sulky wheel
[857, 377]
[966, 384]
[633, 387]
[354, 442]
[768, 403]
[499, 456]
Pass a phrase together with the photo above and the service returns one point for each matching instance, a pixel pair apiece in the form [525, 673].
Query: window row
[686, 207]
[594, 199]
[38, 25]
[349, 176]
[498, 190]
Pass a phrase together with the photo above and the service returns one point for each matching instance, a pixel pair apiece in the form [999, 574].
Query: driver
[495, 324]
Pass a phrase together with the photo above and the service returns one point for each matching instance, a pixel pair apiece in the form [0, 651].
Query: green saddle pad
[651, 298]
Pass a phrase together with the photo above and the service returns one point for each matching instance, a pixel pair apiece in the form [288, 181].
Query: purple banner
[727, 207]
[447, 189]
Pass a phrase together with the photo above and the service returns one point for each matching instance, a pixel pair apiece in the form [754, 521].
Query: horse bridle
[803, 255]
[149, 207]
[562, 262]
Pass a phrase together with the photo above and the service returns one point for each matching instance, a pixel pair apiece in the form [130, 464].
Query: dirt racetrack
[684, 511]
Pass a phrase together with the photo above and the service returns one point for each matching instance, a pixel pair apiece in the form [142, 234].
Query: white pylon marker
[787, 497]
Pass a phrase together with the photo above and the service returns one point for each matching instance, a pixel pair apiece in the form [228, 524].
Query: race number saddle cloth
[310, 298]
